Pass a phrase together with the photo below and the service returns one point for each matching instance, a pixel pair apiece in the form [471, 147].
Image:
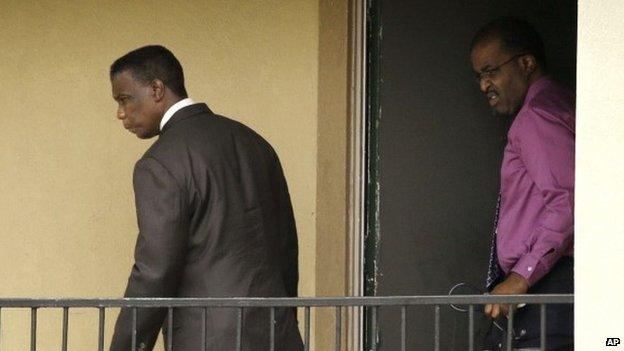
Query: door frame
[363, 198]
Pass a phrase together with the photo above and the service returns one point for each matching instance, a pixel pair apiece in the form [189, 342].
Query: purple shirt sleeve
[547, 150]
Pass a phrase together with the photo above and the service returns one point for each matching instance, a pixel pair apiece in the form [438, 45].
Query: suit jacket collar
[184, 113]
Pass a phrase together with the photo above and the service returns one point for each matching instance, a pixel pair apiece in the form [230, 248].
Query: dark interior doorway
[435, 152]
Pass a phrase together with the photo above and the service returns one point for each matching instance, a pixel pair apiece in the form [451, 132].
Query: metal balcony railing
[372, 304]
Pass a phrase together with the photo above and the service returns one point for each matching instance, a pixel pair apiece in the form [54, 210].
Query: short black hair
[152, 62]
[517, 37]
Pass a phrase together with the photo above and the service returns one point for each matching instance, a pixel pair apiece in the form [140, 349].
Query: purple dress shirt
[536, 224]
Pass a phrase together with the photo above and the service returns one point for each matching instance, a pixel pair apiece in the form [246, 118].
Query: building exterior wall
[67, 206]
[332, 171]
[599, 228]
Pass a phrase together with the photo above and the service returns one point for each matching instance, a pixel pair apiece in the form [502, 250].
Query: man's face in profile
[137, 108]
[500, 76]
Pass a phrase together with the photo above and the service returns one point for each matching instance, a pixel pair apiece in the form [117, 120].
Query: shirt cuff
[531, 268]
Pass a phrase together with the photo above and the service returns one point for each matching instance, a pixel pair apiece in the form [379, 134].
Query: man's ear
[158, 89]
[528, 64]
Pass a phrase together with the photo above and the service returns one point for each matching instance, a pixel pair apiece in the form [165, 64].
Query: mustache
[491, 90]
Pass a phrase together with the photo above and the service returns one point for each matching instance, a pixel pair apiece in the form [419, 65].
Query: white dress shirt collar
[173, 109]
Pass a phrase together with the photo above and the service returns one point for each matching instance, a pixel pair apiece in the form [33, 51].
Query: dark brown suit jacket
[215, 220]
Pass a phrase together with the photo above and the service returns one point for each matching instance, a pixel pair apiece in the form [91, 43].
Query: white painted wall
[599, 236]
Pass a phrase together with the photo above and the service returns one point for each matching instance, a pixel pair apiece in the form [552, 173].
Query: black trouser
[559, 317]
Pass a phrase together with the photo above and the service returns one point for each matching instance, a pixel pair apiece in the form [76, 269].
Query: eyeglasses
[491, 72]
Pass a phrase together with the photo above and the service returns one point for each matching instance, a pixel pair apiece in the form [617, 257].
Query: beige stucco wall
[332, 159]
[66, 206]
[599, 233]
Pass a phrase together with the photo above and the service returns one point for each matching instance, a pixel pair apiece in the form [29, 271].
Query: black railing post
[65, 327]
[33, 329]
[101, 329]
[437, 328]
[306, 344]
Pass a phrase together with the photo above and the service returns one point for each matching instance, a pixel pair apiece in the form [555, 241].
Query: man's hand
[514, 284]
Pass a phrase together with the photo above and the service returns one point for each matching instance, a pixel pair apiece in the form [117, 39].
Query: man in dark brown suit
[214, 215]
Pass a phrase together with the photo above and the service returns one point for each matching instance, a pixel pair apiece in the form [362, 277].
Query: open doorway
[434, 152]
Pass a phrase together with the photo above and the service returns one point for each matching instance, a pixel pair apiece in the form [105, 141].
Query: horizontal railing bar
[289, 302]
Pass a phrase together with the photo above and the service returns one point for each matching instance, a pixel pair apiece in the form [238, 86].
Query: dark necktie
[494, 270]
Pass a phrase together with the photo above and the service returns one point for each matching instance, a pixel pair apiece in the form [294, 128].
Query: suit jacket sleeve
[163, 221]
[290, 251]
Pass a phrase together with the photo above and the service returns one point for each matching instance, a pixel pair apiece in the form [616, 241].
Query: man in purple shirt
[534, 233]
